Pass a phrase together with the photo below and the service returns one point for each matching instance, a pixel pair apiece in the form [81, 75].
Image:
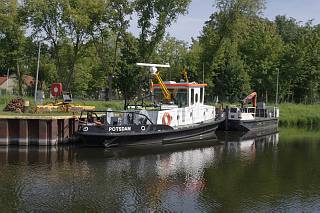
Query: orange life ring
[166, 119]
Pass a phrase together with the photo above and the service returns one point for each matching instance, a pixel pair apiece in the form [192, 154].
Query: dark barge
[257, 117]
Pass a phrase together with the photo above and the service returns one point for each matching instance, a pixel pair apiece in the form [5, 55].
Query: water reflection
[231, 173]
[247, 144]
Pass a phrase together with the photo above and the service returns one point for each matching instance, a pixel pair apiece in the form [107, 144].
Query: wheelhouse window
[158, 96]
[234, 110]
[181, 98]
[201, 95]
[192, 96]
[178, 96]
[197, 97]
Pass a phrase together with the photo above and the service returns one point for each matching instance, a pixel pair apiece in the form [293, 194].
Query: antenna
[153, 65]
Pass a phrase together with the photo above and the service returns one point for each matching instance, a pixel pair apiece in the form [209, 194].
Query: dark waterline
[230, 173]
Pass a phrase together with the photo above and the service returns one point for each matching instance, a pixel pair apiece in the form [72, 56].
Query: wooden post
[4, 132]
[43, 133]
[226, 118]
[23, 133]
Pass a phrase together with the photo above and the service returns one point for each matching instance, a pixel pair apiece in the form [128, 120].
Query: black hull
[168, 136]
[251, 125]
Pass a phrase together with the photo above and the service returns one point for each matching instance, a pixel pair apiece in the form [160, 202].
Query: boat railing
[268, 112]
[251, 110]
[113, 118]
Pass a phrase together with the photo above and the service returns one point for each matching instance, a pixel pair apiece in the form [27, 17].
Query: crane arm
[185, 75]
[164, 88]
[253, 97]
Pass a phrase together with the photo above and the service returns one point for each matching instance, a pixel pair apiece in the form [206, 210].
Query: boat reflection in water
[176, 177]
[247, 143]
[35, 154]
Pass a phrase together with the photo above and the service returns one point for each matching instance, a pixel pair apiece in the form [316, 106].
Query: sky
[190, 25]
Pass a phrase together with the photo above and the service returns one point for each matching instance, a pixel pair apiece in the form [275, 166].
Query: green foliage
[154, 17]
[12, 41]
[127, 77]
[223, 36]
[103, 105]
[262, 51]
[172, 51]
[230, 77]
[299, 67]
[86, 46]
[242, 51]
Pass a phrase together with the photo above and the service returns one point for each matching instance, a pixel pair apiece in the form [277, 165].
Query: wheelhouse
[182, 94]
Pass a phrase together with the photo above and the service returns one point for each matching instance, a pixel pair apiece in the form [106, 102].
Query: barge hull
[250, 125]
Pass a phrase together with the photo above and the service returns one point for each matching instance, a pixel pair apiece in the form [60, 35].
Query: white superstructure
[187, 105]
[251, 113]
[180, 103]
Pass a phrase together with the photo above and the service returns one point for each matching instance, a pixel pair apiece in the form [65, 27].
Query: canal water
[229, 173]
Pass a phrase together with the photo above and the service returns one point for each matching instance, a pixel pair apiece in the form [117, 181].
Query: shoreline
[291, 115]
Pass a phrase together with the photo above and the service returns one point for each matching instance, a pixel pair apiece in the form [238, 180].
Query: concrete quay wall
[36, 130]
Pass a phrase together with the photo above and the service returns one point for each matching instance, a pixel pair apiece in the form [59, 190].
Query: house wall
[12, 85]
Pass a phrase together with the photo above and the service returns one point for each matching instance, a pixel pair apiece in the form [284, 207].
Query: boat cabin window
[234, 110]
[248, 110]
[201, 95]
[158, 95]
[251, 110]
[192, 96]
[197, 98]
[181, 98]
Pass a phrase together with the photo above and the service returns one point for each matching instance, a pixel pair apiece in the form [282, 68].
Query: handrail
[116, 111]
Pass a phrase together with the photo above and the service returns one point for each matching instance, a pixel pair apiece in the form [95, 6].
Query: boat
[247, 118]
[177, 114]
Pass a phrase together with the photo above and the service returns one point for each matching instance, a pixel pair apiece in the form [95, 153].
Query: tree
[107, 29]
[127, 77]
[299, 66]
[154, 16]
[221, 41]
[45, 20]
[63, 24]
[262, 51]
[174, 52]
[231, 80]
[12, 40]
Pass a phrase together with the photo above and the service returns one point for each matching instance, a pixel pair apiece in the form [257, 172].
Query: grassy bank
[299, 115]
